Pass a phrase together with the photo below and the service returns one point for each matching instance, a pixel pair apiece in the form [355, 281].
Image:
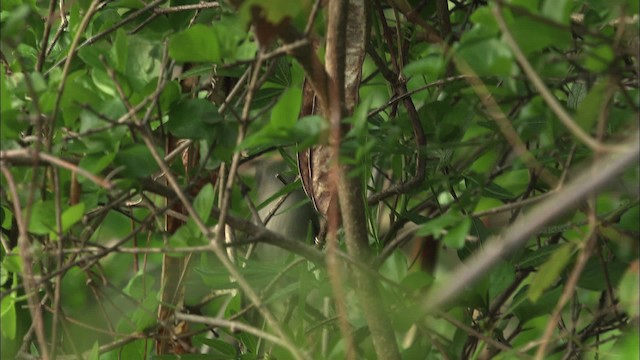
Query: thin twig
[26, 155]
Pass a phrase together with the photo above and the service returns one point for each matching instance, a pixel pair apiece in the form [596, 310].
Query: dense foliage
[504, 135]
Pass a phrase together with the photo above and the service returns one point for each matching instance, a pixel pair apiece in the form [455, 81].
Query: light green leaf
[557, 10]
[487, 57]
[8, 317]
[137, 161]
[629, 290]
[285, 113]
[72, 215]
[193, 119]
[589, 109]
[94, 354]
[196, 44]
[43, 217]
[120, 51]
[549, 271]
[456, 236]
[203, 203]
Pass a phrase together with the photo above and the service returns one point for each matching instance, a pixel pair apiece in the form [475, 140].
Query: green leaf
[8, 317]
[590, 108]
[629, 220]
[557, 10]
[12, 263]
[196, 44]
[305, 132]
[599, 58]
[69, 218]
[43, 218]
[456, 236]
[120, 51]
[595, 278]
[137, 161]
[285, 113]
[485, 22]
[533, 35]
[203, 203]
[145, 315]
[489, 57]
[453, 226]
[94, 354]
[193, 119]
[500, 278]
[534, 258]
[95, 163]
[417, 280]
[526, 310]
[549, 271]
[629, 290]
[431, 66]
[139, 286]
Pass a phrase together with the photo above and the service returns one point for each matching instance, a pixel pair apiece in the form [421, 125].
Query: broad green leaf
[456, 236]
[140, 285]
[8, 317]
[145, 315]
[590, 108]
[629, 220]
[599, 58]
[533, 36]
[137, 161]
[557, 10]
[95, 163]
[487, 57]
[94, 354]
[285, 113]
[220, 349]
[305, 132]
[203, 203]
[43, 218]
[196, 44]
[525, 309]
[12, 263]
[629, 290]
[4, 276]
[535, 258]
[452, 225]
[595, 278]
[193, 119]
[120, 51]
[417, 280]
[500, 278]
[550, 271]
[72, 215]
[626, 346]
[15, 22]
[431, 66]
[115, 226]
[485, 22]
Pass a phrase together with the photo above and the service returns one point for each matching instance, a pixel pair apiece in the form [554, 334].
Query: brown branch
[26, 156]
[349, 189]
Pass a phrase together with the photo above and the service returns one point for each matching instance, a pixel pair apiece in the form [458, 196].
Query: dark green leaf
[193, 119]
[137, 161]
[196, 44]
[550, 271]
